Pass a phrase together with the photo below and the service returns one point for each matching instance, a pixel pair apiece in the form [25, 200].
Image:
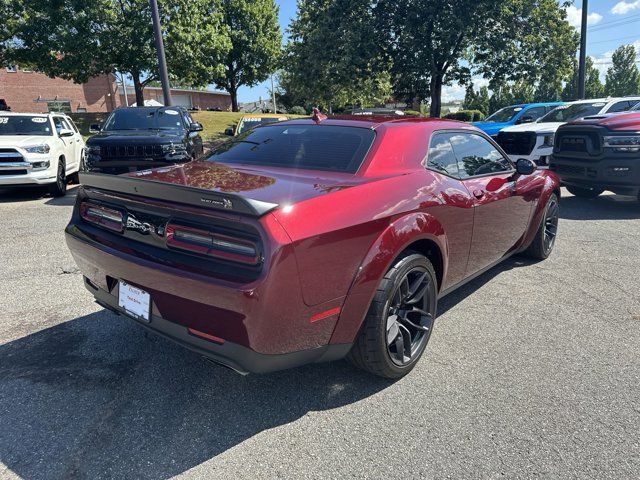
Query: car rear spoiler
[171, 192]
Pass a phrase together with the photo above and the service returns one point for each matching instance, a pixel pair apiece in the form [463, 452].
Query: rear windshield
[313, 147]
[133, 118]
[25, 125]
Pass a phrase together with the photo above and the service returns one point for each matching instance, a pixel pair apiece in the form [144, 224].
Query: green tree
[77, 40]
[335, 57]
[508, 40]
[255, 40]
[502, 96]
[593, 86]
[623, 77]
[477, 100]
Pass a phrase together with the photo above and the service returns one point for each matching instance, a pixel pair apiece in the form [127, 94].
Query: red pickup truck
[599, 153]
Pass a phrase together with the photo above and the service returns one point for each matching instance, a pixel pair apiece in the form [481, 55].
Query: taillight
[212, 244]
[105, 217]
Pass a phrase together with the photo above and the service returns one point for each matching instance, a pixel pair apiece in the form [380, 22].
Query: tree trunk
[234, 99]
[436, 95]
[139, 89]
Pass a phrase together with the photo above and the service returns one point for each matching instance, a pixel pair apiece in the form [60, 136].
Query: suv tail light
[212, 244]
[108, 218]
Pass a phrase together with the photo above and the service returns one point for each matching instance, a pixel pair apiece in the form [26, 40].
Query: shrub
[466, 115]
[413, 113]
[298, 110]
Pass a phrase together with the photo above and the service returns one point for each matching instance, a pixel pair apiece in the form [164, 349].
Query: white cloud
[457, 92]
[622, 8]
[574, 16]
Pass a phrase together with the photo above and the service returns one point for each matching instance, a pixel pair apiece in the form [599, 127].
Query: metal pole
[583, 51]
[273, 96]
[124, 89]
[162, 63]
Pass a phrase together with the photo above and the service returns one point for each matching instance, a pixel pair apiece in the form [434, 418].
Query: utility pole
[273, 96]
[162, 62]
[583, 51]
[124, 89]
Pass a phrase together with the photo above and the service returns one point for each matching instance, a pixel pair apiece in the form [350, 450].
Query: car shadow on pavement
[460, 294]
[604, 207]
[16, 195]
[99, 397]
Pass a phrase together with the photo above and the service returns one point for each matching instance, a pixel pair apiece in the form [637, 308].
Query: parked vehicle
[515, 115]
[599, 153]
[3, 106]
[247, 122]
[374, 111]
[534, 141]
[311, 240]
[39, 149]
[136, 138]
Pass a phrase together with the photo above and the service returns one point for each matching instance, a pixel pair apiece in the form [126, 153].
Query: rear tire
[59, 188]
[400, 319]
[584, 192]
[545, 239]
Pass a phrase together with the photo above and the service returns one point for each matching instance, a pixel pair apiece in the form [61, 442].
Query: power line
[615, 39]
[614, 24]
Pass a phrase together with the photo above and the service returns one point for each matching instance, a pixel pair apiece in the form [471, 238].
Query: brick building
[28, 91]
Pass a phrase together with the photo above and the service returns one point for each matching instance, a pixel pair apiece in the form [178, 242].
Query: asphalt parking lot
[533, 371]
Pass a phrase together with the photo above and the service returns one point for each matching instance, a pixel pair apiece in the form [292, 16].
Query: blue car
[515, 115]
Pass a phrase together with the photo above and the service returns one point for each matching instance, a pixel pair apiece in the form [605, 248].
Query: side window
[620, 107]
[73, 125]
[535, 112]
[441, 157]
[186, 119]
[476, 156]
[57, 122]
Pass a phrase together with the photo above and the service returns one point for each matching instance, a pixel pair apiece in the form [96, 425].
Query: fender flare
[396, 238]
[551, 185]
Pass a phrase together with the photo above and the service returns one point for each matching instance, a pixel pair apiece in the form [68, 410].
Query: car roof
[375, 121]
[264, 115]
[34, 114]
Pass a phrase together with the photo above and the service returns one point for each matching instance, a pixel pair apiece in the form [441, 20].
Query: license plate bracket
[134, 301]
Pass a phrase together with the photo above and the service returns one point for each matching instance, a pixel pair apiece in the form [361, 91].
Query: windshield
[314, 147]
[25, 125]
[144, 119]
[566, 113]
[249, 123]
[504, 114]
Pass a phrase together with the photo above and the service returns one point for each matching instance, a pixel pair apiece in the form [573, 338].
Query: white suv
[534, 141]
[39, 149]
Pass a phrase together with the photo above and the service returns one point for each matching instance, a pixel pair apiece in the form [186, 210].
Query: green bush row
[466, 116]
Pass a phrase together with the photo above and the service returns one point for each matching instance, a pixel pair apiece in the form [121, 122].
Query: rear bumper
[241, 359]
[620, 175]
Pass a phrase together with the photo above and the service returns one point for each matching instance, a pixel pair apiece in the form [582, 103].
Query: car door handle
[478, 193]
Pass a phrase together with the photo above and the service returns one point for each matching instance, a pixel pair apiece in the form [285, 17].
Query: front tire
[400, 319]
[545, 239]
[584, 192]
[59, 188]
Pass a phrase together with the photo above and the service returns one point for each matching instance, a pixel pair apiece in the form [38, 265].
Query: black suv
[137, 138]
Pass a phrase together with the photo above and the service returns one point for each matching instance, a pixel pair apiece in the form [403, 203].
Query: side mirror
[94, 128]
[65, 132]
[229, 131]
[195, 127]
[525, 167]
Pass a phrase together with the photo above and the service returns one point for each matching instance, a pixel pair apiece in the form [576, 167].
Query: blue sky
[611, 23]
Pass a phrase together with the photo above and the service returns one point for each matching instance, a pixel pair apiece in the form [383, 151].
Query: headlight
[626, 143]
[93, 149]
[547, 140]
[41, 149]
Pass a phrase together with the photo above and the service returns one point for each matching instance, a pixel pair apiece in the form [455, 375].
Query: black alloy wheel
[545, 239]
[400, 319]
[409, 322]
[59, 188]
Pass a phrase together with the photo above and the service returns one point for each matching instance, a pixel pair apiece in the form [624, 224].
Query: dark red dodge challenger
[311, 240]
